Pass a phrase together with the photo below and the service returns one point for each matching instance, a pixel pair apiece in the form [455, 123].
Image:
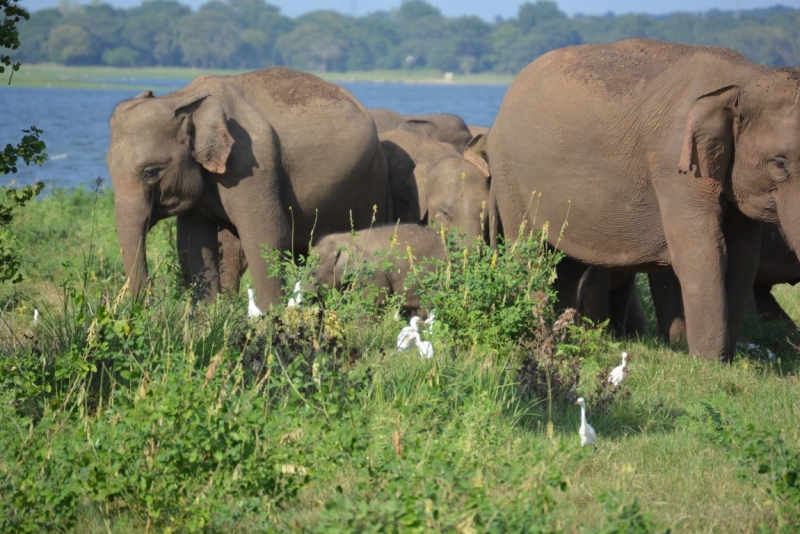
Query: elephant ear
[711, 130]
[415, 191]
[340, 264]
[420, 127]
[475, 153]
[209, 138]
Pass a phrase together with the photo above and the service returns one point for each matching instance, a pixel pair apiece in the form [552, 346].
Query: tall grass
[176, 416]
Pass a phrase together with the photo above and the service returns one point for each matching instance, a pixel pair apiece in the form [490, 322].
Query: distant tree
[69, 44]
[414, 10]
[529, 15]
[208, 40]
[151, 29]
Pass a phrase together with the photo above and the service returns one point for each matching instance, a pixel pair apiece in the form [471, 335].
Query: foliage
[30, 149]
[253, 34]
[490, 298]
[306, 406]
[10, 200]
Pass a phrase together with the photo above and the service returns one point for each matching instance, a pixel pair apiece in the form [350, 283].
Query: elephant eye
[778, 168]
[151, 174]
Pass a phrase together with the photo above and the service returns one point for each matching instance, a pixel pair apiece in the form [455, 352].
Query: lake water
[75, 121]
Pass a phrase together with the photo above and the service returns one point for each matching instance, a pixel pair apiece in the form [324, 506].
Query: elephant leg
[233, 263]
[636, 320]
[199, 253]
[266, 227]
[693, 223]
[766, 304]
[668, 303]
[568, 282]
[619, 298]
[743, 243]
[593, 294]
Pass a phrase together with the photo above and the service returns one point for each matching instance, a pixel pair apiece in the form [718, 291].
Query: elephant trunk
[789, 216]
[133, 215]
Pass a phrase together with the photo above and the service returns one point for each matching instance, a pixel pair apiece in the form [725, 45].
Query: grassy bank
[119, 417]
[50, 75]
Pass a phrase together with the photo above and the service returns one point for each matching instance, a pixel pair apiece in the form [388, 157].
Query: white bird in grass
[617, 375]
[409, 335]
[425, 348]
[252, 309]
[297, 297]
[429, 322]
[35, 316]
[588, 436]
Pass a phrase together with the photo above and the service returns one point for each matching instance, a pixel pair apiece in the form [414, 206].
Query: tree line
[253, 33]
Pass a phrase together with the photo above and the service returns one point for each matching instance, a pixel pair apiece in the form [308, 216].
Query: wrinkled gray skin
[777, 264]
[432, 183]
[342, 253]
[236, 153]
[442, 127]
[634, 144]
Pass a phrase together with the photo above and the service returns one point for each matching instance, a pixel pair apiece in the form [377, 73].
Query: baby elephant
[387, 248]
[431, 182]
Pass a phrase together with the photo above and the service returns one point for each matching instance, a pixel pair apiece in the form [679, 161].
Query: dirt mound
[621, 66]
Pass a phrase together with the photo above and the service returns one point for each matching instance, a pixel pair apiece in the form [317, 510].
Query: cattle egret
[617, 375]
[429, 322]
[35, 316]
[425, 349]
[252, 309]
[297, 297]
[588, 437]
[409, 335]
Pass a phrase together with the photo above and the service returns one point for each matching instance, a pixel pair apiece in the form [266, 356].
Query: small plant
[490, 298]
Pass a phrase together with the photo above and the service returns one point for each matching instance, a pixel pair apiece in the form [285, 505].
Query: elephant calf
[343, 253]
[444, 127]
[432, 182]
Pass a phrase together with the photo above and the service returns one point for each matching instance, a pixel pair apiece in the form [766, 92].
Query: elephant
[777, 264]
[657, 154]
[605, 294]
[477, 130]
[443, 127]
[341, 253]
[433, 183]
[267, 155]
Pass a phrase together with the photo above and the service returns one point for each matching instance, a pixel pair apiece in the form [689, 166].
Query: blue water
[75, 121]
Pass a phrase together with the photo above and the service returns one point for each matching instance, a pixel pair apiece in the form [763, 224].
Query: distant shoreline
[135, 78]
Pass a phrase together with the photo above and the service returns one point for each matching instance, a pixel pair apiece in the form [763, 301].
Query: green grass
[386, 441]
[52, 75]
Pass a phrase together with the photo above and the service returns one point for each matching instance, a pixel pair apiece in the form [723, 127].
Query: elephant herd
[679, 161]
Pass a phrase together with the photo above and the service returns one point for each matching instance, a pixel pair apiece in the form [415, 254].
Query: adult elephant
[267, 155]
[657, 154]
[444, 127]
[431, 182]
[777, 264]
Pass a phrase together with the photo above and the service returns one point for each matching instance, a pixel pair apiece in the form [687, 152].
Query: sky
[485, 9]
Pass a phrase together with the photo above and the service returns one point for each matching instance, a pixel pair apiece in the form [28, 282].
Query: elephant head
[334, 260]
[452, 193]
[160, 152]
[745, 141]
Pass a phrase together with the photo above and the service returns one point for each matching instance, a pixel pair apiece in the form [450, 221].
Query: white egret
[429, 322]
[617, 375]
[425, 349]
[588, 436]
[409, 335]
[297, 296]
[252, 309]
[35, 316]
